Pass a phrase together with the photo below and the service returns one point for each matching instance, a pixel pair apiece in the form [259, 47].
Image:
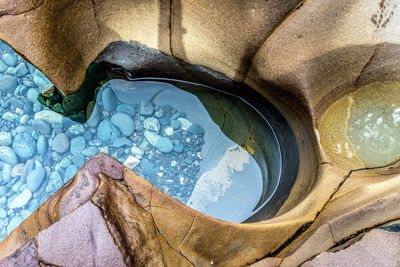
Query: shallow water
[364, 126]
[209, 150]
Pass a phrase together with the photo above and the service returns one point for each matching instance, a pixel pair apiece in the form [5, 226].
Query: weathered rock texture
[301, 55]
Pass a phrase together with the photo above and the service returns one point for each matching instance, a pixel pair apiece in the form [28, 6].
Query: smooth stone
[178, 148]
[21, 70]
[9, 59]
[77, 144]
[7, 155]
[78, 160]
[40, 79]
[8, 84]
[94, 119]
[76, 129]
[32, 95]
[3, 190]
[151, 124]
[61, 143]
[169, 131]
[151, 137]
[123, 141]
[131, 162]
[17, 170]
[65, 162]
[185, 124]
[124, 123]
[3, 213]
[3, 66]
[49, 116]
[9, 116]
[164, 121]
[127, 109]
[90, 151]
[148, 168]
[164, 145]
[24, 145]
[177, 115]
[14, 222]
[11, 71]
[21, 200]
[70, 172]
[195, 129]
[146, 108]
[109, 99]
[107, 132]
[35, 178]
[6, 172]
[88, 136]
[175, 124]
[137, 151]
[5, 138]
[41, 126]
[41, 145]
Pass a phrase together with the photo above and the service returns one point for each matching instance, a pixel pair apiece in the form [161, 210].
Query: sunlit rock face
[364, 126]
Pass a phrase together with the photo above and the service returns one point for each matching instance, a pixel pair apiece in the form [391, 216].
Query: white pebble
[131, 162]
[169, 131]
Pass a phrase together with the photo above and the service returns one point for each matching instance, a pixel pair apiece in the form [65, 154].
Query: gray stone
[41, 145]
[70, 172]
[164, 145]
[151, 124]
[21, 70]
[35, 178]
[146, 107]
[151, 137]
[90, 151]
[107, 132]
[124, 123]
[8, 84]
[14, 222]
[109, 99]
[24, 145]
[5, 138]
[60, 143]
[32, 95]
[7, 155]
[77, 144]
[127, 109]
[41, 126]
[10, 59]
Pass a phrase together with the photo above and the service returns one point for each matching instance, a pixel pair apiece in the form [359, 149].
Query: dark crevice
[251, 58]
[376, 43]
[156, 229]
[13, 13]
[95, 16]
[306, 226]
[190, 228]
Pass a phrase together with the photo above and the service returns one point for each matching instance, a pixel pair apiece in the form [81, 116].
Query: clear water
[205, 149]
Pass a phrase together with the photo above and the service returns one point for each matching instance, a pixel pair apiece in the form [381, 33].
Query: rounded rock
[109, 99]
[35, 178]
[41, 145]
[9, 59]
[77, 144]
[61, 143]
[107, 132]
[41, 126]
[24, 145]
[164, 145]
[124, 123]
[151, 124]
[5, 138]
[8, 84]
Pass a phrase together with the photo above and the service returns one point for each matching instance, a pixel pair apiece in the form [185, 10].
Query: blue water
[156, 129]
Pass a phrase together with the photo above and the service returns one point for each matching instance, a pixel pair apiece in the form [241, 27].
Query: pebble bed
[40, 150]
